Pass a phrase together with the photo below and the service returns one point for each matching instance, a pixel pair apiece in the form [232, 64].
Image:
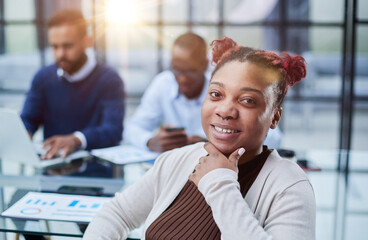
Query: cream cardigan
[279, 205]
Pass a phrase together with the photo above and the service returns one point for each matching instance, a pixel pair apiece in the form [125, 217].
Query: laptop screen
[15, 143]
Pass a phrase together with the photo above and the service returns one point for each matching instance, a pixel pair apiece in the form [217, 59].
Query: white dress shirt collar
[82, 73]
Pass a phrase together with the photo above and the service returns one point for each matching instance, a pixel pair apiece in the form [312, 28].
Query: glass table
[340, 188]
[17, 179]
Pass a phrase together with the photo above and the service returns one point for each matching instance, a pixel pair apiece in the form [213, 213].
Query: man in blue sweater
[79, 103]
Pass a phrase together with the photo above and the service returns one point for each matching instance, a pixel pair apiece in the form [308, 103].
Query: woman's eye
[248, 101]
[215, 94]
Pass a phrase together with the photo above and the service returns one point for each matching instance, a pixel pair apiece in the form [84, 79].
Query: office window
[298, 39]
[15, 36]
[19, 59]
[361, 62]
[314, 124]
[360, 126]
[237, 11]
[324, 61]
[251, 36]
[362, 9]
[123, 12]
[206, 11]
[132, 52]
[360, 106]
[14, 13]
[326, 11]
[360, 112]
[175, 11]
[326, 39]
[208, 33]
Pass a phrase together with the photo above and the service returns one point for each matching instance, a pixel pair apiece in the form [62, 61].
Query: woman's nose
[227, 111]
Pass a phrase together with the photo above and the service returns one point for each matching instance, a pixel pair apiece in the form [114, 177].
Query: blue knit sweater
[95, 106]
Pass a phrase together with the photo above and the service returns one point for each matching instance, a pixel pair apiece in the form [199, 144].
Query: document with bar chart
[54, 206]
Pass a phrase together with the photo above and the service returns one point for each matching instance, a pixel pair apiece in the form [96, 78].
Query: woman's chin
[224, 148]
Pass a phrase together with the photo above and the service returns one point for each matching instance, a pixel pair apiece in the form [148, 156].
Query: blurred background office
[328, 111]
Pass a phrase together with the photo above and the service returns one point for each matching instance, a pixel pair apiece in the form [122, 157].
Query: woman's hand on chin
[215, 159]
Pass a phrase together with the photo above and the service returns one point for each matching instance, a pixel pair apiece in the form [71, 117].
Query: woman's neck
[250, 155]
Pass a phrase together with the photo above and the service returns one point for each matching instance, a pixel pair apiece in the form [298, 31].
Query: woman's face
[238, 109]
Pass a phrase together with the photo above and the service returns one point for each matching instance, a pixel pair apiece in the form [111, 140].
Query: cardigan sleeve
[130, 208]
[290, 214]
[125, 212]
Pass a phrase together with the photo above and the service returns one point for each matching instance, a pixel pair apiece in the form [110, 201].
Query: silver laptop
[16, 145]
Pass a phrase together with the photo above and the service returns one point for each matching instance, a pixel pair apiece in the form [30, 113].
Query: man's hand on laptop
[63, 144]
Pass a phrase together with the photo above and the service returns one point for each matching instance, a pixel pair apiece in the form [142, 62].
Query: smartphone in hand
[172, 129]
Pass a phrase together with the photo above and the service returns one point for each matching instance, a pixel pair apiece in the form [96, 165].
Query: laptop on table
[17, 146]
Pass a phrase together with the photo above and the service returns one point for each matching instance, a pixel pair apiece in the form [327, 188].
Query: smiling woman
[238, 113]
[231, 187]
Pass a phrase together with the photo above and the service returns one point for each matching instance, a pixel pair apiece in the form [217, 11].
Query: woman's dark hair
[291, 69]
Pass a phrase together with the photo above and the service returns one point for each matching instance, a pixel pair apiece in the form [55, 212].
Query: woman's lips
[224, 132]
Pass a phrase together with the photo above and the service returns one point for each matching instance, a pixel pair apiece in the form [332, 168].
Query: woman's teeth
[222, 130]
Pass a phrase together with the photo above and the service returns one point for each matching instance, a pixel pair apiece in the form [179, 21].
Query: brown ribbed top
[190, 217]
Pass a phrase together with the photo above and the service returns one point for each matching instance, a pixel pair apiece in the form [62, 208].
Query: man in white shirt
[172, 103]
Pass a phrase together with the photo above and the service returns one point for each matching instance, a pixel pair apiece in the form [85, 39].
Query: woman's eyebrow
[248, 89]
[217, 83]
[245, 89]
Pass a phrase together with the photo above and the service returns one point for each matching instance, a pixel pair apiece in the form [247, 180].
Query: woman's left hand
[215, 159]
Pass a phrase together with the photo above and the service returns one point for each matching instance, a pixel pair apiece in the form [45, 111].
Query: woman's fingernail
[241, 151]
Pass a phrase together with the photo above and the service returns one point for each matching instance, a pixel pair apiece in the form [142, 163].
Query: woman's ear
[276, 117]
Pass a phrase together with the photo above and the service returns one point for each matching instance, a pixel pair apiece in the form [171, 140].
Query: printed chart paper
[54, 206]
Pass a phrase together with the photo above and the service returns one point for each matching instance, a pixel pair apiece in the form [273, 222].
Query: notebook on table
[16, 145]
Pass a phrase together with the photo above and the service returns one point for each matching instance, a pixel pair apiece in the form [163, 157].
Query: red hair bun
[219, 47]
[295, 67]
